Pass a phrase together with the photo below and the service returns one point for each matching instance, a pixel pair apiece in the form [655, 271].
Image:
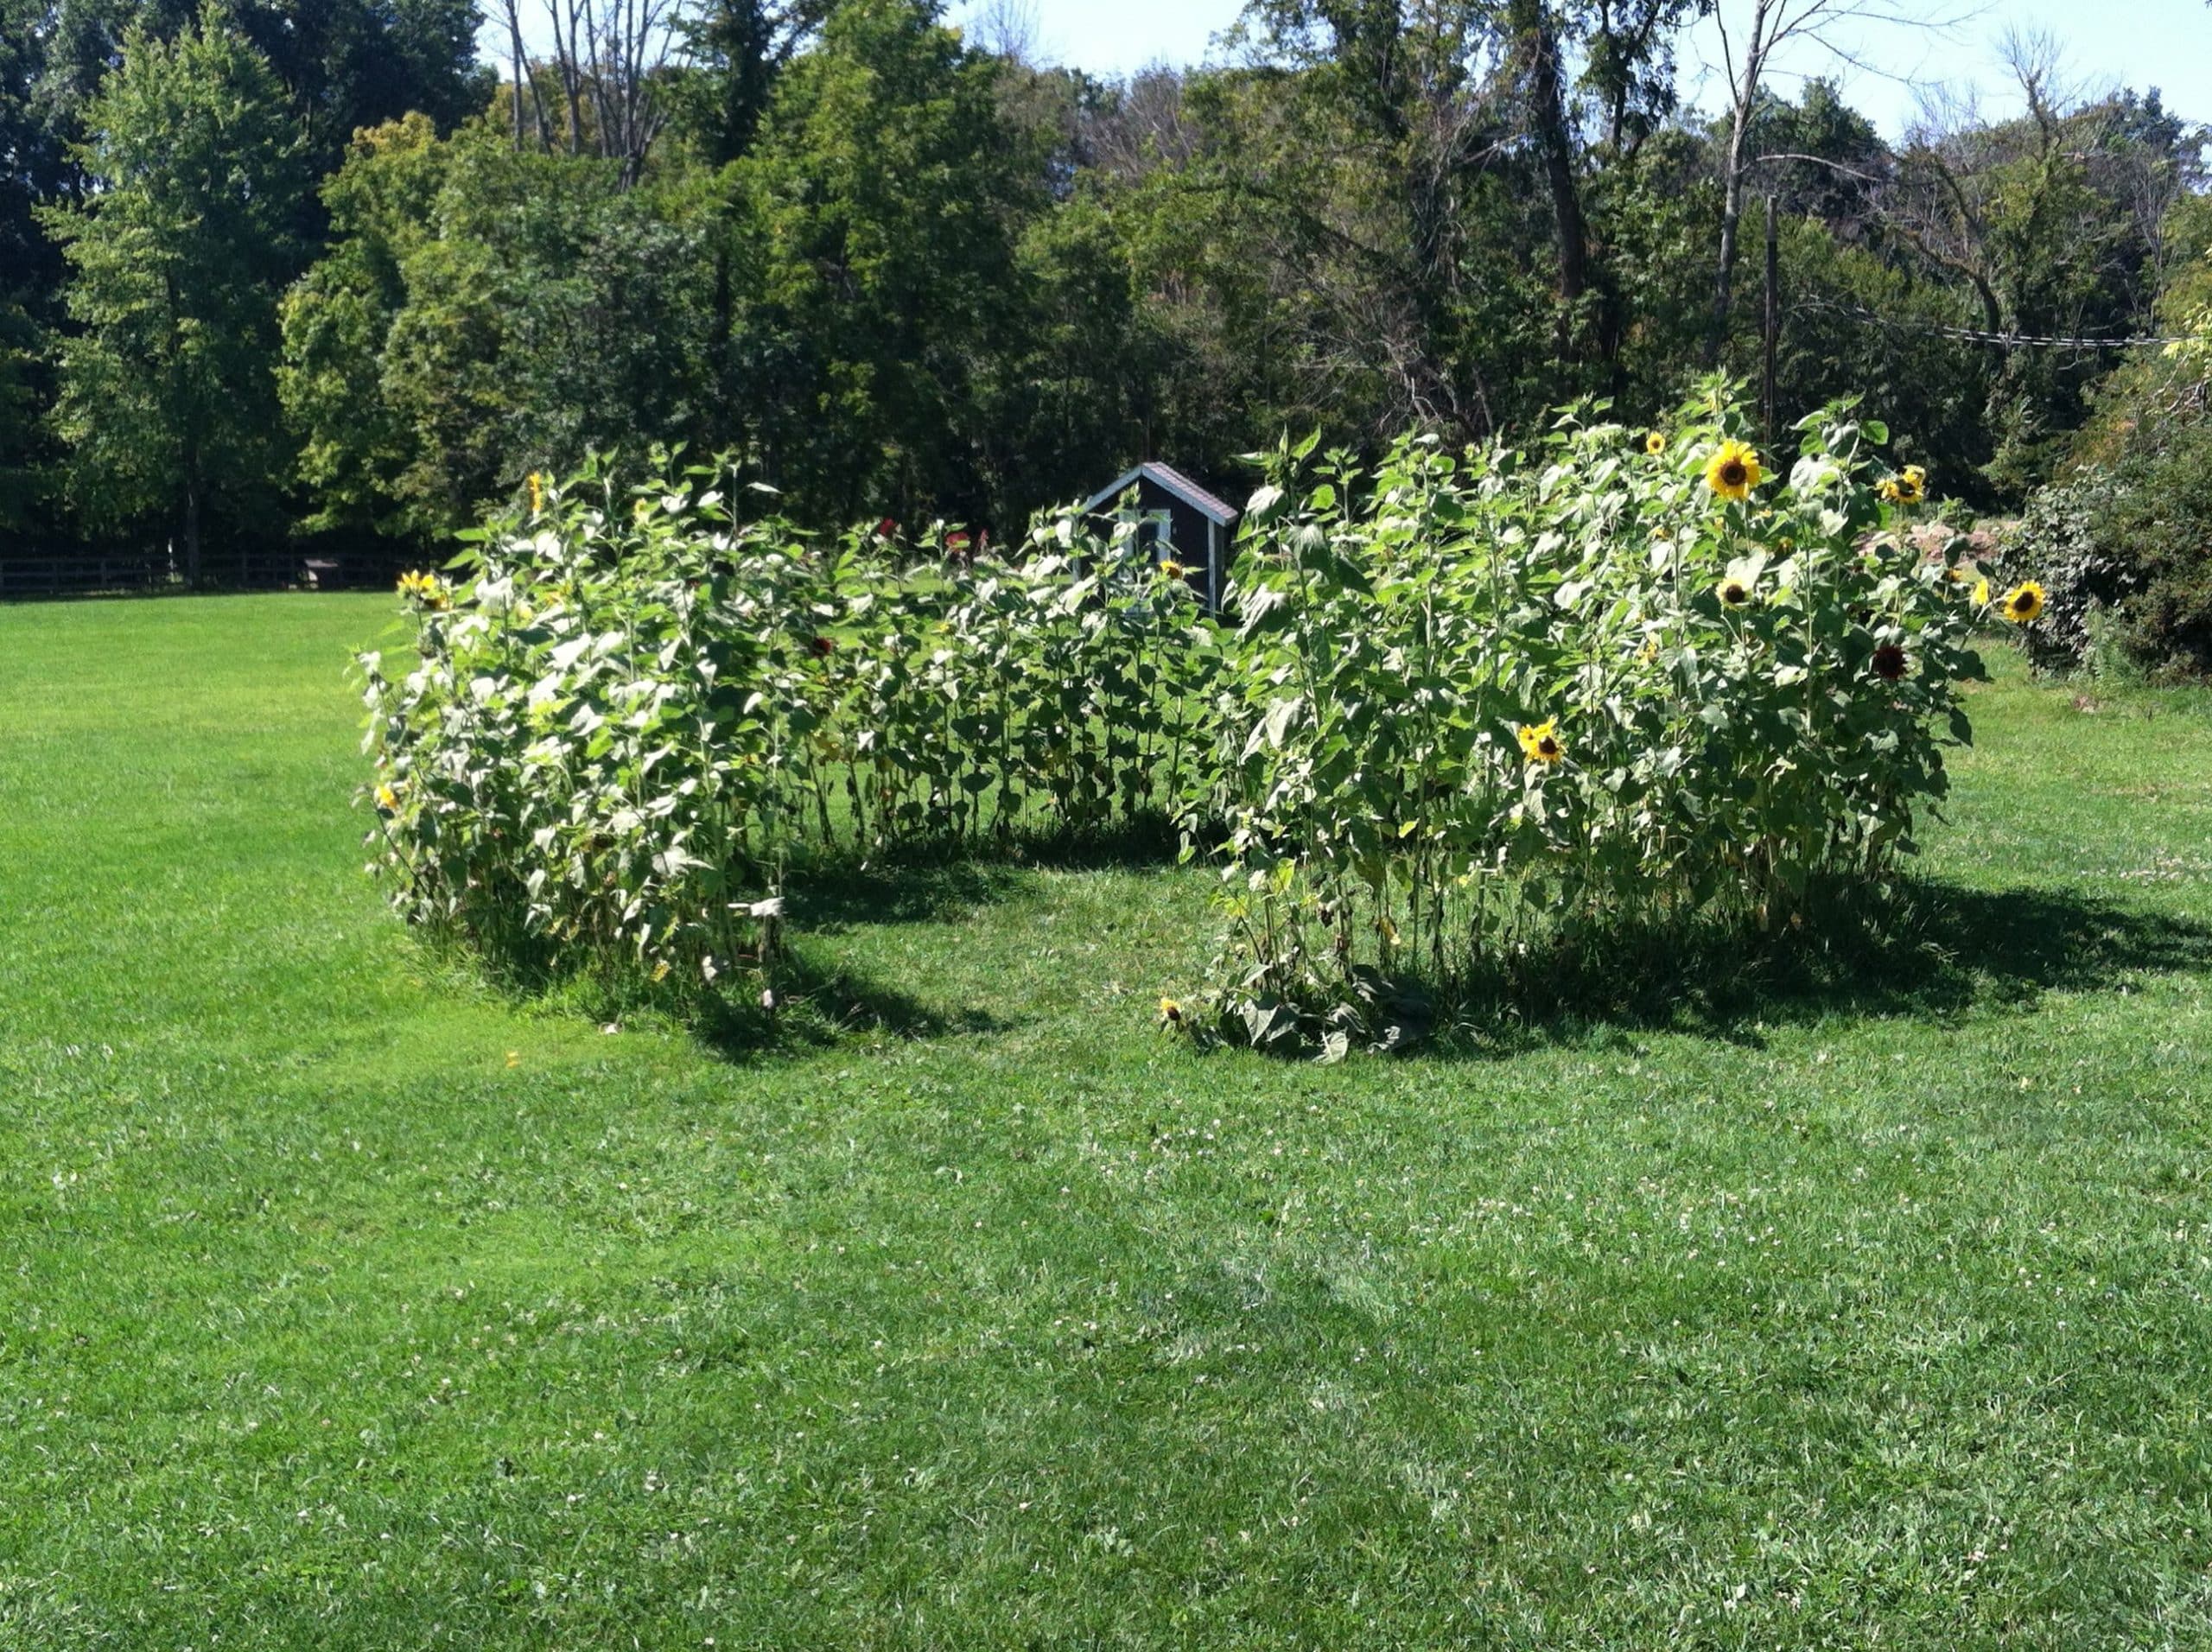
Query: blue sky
[2142, 43]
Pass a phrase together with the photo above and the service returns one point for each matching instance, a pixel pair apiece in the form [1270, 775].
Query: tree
[879, 213]
[739, 49]
[1751, 32]
[168, 397]
[483, 312]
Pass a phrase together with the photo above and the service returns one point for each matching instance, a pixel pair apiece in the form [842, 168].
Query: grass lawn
[343, 1305]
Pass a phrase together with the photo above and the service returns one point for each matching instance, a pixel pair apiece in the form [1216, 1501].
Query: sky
[2102, 44]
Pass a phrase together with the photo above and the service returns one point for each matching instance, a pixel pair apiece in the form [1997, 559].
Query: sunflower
[1540, 742]
[823, 647]
[387, 798]
[1170, 1010]
[1654, 444]
[1733, 470]
[1734, 593]
[536, 494]
[427, 588]
[1981, 592]
[1171, 569]
[1889, 663]
[2024, 602]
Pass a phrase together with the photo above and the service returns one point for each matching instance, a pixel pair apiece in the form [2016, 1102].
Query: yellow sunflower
[1540, 742]
[2024, 602]
[536, 494]
[1170, 1010]
[1654, 444]
[1981, 592]
[1734, 593]
[1734, 471]
[1171, 569]
[387, 798]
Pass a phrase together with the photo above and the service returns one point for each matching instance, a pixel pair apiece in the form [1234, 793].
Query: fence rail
[31, 575]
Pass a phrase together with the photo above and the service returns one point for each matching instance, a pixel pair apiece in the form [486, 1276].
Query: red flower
[821, 646]
[888, 529]
[1889, 663]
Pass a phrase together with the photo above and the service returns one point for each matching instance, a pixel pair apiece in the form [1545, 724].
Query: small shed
[1181, 522]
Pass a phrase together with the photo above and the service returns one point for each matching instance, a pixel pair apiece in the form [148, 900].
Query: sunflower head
[1981, 592]
[2024, 602]
[537, 493]
[1170, 1011]
[1734, 594]
[823, 647]
[1540, 742]
[1734, 471]
[1654, 444]
[1171, 569]
[387, 798]
[1889, 663]
[426, 588]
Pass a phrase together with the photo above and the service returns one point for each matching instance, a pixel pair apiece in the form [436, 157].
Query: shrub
[2056, 535]
[2125, 550]
[1480, 709]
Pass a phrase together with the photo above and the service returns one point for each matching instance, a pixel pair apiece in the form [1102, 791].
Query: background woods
[290, 279]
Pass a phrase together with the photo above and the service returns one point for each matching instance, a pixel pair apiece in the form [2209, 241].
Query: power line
[1976, 335]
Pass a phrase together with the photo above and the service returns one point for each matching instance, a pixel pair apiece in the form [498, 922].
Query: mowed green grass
[1869, 1318]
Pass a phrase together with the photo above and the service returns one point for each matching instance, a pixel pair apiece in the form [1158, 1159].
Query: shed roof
[1176, 483]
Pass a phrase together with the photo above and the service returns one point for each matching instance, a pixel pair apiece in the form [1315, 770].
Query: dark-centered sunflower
[1734, 471]
[2024, 602]
[1540, 742]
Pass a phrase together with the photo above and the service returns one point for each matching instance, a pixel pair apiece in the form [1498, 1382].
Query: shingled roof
[1176, 483]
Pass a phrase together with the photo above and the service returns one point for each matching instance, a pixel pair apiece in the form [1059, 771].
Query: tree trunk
[1746, 93]
[1538, 43]
[1731, 212]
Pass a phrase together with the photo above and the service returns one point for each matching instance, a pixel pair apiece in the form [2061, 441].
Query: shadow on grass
[815, 1006]
[917, 884]
[1920, 949]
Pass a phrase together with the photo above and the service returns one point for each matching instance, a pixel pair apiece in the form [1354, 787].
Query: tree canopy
[301, 274]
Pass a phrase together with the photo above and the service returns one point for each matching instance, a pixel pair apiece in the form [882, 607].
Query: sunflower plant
[1482, 705]
[630, 713]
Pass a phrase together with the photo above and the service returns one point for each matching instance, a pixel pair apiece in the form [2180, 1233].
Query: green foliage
[1471, 707]
[637, 714]
[882, 205]
[167, 396]
[484, 312]
[1481, 707]
[2129, 553]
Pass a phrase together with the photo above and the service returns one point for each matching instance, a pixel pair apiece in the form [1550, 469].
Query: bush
[2125, 550]
[1480, 710]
